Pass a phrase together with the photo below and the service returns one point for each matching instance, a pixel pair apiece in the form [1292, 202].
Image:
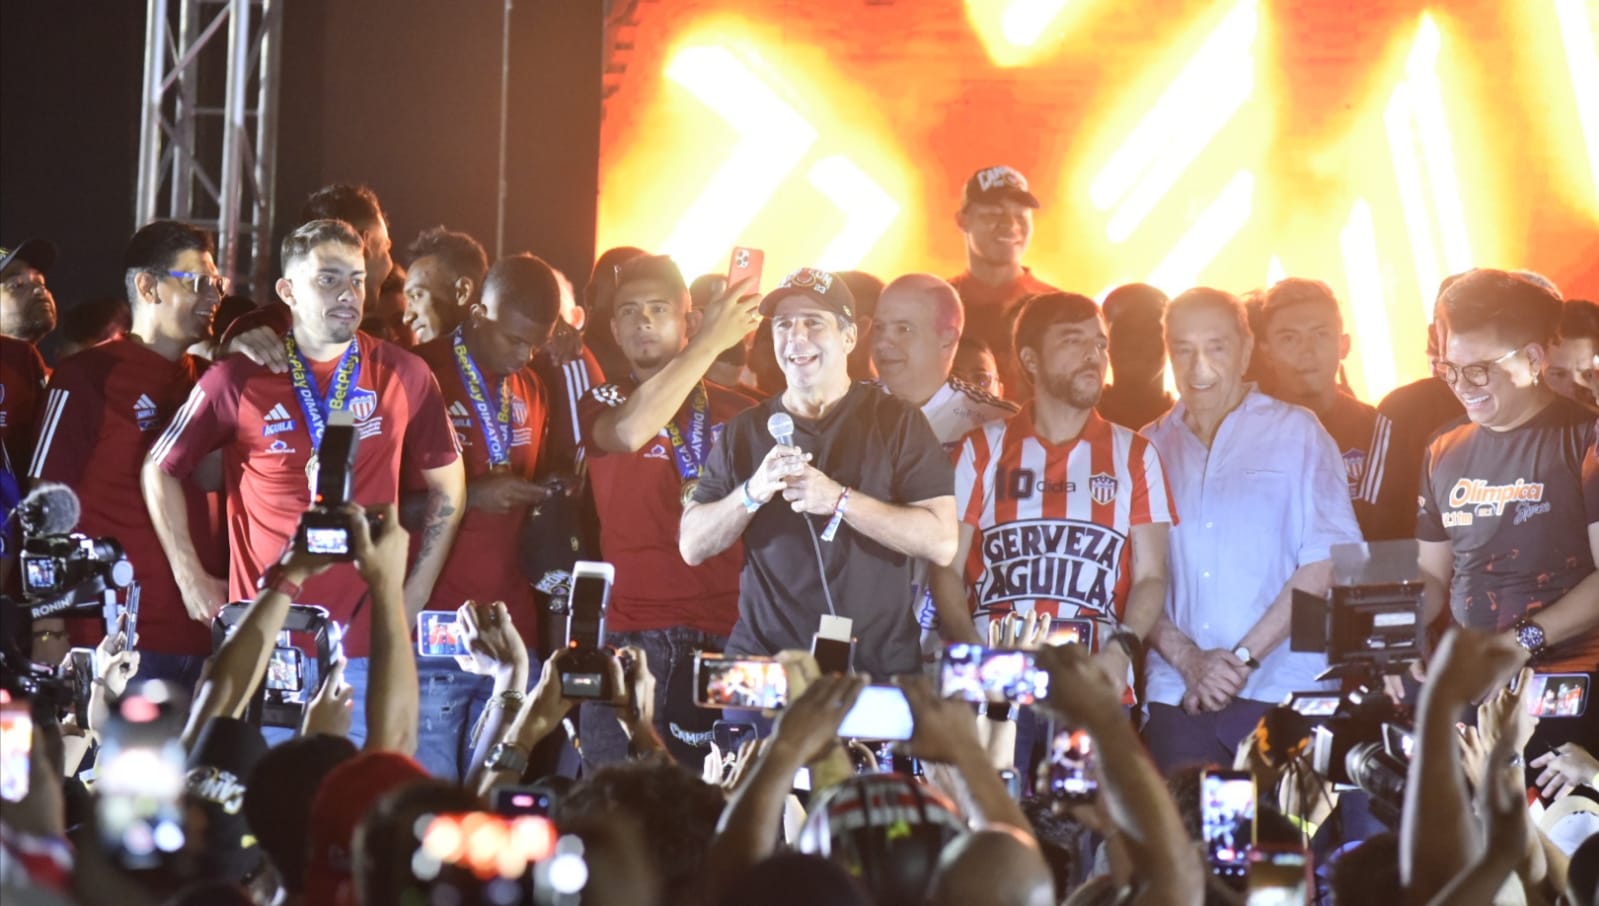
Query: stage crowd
[838, 491]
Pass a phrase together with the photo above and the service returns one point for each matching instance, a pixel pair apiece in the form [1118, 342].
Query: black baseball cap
[219, 770]
[39, 253]
[827, 289]
[997, 183]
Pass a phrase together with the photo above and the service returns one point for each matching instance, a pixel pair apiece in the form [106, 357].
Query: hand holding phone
[746, 264]
[977, 674]
[438, 634]
[753, 684]
[882, 713]
[1073, 776]
[16, 748]
[1227, 821]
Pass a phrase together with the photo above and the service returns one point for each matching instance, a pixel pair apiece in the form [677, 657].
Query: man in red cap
[347, 793]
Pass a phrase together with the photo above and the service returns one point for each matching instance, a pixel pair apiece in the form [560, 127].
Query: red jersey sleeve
[74, 409]
[206, 421]
[430, 441]
[1151, 494]
[595, 403]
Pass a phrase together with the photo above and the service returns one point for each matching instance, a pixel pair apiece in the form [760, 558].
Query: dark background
[403, 96]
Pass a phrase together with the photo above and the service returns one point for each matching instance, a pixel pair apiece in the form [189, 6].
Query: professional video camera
[1360, 740]
[324, 528]
[1370, 622]
[65, 573]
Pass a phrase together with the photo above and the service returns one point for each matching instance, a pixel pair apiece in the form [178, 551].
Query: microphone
[50, 509]
[780, 426]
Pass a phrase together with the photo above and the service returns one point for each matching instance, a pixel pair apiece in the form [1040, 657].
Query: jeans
[1176, 738]
[685, 728]
[452, 700]
[181, 669]
[355, 674]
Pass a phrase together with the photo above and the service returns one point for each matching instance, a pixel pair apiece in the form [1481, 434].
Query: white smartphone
[880, 713]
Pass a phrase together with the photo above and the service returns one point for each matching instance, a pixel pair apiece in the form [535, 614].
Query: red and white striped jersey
[1052, 522]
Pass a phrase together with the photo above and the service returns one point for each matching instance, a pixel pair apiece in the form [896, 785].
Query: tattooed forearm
[444, 505]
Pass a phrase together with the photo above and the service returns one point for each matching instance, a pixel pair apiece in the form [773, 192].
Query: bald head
[918, 325]
[1000, 866]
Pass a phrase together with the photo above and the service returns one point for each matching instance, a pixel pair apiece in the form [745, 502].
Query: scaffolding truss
[208, 126]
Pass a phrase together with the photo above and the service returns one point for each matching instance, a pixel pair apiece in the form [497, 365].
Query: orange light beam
[1214, 228]
[1436, 149]
[868, 211]
[773, 139]
[1212, 86]
[1412, 196]
[1576, 30]
[1359, 242]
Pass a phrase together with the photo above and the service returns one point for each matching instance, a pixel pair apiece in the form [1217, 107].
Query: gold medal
[311, 469]
[688, 490]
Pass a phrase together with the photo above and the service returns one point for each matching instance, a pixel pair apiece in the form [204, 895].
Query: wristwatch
[507, 756]
[1529, 635]
[1243, 654]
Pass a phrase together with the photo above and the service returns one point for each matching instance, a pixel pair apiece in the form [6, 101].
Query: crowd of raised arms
[421, 578]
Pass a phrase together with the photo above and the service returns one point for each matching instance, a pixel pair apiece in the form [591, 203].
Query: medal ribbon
[692, 451]
[312, 403]
[496, 424]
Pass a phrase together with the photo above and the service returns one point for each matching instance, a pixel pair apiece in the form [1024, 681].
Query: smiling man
[268, 425]
[1305, 341]
[996, 216]
[865, 490]
[1505, 535]
[1572, 368]
[914, 340]
[1258, 521]
[107, 405]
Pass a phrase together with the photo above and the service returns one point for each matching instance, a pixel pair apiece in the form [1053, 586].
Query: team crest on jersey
[362, 404]
[518, 411]
[1355, 464]
[1102, 488]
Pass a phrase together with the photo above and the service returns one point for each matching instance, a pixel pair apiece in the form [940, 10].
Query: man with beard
[1062, 512]
[996, 216]
[649, 435]
[865, 487]
[1259, 521]
[107, 405]
[268, 425]
[27, 309]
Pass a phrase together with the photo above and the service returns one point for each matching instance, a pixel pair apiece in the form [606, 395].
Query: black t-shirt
[1406, 419]
[1511, 505]
[875, 444]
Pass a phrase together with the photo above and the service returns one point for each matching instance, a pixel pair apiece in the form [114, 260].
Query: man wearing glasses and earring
[1506, 537]
[103, 409]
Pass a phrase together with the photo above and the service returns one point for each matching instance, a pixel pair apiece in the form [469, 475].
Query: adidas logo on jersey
[144, 412]
[459, 409]
[277, 421]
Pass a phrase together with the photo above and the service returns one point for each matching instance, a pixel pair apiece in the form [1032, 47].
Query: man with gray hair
[1258, 521]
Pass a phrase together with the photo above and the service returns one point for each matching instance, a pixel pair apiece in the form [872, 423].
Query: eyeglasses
[1475, 374]
[199, 283]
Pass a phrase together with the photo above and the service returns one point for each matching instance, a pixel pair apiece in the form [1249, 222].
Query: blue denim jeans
[181, 669]
[684, 727]
[452, 700]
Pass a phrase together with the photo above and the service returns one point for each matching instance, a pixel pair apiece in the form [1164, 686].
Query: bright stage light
[1207, 237]
[1200, 102]
[1275, 272]
[773, 139]
[868, 211]
[1576, 30]
[1013, 31]
[1024, 21]
[1359, 243]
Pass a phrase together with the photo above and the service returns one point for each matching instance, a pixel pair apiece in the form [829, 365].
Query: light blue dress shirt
[1270, 495]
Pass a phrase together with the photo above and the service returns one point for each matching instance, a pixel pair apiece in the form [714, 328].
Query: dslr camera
[325, 528]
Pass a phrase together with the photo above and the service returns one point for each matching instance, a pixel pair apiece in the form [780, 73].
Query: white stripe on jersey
[47, 429]
[54, 407]
[1376, 460]
[169, 437]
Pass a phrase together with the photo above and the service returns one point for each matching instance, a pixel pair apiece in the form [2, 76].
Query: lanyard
[312, 403]
[692, 451]
[496, 425]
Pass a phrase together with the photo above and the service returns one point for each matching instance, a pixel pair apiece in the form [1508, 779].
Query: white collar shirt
[1269, 495]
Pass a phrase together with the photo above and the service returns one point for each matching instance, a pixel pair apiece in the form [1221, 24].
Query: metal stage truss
[208, 126]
